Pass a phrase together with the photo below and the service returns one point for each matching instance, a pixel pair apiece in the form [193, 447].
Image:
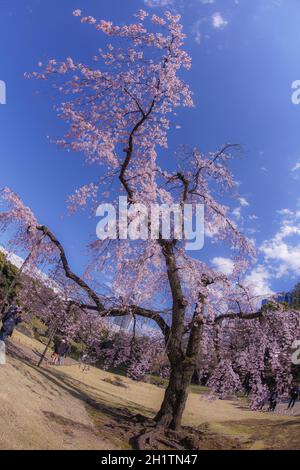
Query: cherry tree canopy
[118, 113]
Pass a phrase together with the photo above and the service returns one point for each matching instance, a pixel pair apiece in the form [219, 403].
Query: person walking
[11, 319]
[294, 395]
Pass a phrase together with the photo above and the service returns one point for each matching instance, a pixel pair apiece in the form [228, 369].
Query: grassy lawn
[109, 403]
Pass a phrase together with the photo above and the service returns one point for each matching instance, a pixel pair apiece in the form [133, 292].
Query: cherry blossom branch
[99, 306]
[129, 151]
[142, 312]
[69, 273]
[254, 315]
[239, 316]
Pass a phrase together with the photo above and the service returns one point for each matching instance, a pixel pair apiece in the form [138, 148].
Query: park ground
[71, 408]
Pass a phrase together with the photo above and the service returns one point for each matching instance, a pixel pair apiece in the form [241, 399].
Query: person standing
[10, 320]
[61, 350]
[294, 395]
[55, 355]
[273, 400]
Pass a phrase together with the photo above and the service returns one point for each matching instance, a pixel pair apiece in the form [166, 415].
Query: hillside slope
[69, 408]
[37, 411]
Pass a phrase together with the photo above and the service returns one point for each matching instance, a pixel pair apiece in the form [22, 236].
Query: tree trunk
[51, 336]
[182, 370]
[173, 405]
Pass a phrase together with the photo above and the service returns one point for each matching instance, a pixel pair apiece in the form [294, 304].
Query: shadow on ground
[122, 425]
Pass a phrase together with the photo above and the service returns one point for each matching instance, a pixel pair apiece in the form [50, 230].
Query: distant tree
[8, 273]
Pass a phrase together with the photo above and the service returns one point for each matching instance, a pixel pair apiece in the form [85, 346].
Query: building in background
[124, 322]
[291, 298]
[295, 294]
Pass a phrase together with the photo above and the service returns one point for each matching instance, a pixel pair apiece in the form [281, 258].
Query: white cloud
[158, 3]
[264, 169]
[211, 230]
[283, 250]
[296, 167]
[259, 281]
[286, 213]
[218, 21]
[280, 255]
[243, 202]
[196, 31]
[237, 213]
[223, 265]
[207, 2]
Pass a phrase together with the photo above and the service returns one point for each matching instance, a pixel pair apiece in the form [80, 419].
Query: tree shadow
[115, 421]
[119, 424]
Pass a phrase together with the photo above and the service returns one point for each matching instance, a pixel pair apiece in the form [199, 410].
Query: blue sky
[245, 58]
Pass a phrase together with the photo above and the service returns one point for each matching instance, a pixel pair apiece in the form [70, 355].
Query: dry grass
[69, 408]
